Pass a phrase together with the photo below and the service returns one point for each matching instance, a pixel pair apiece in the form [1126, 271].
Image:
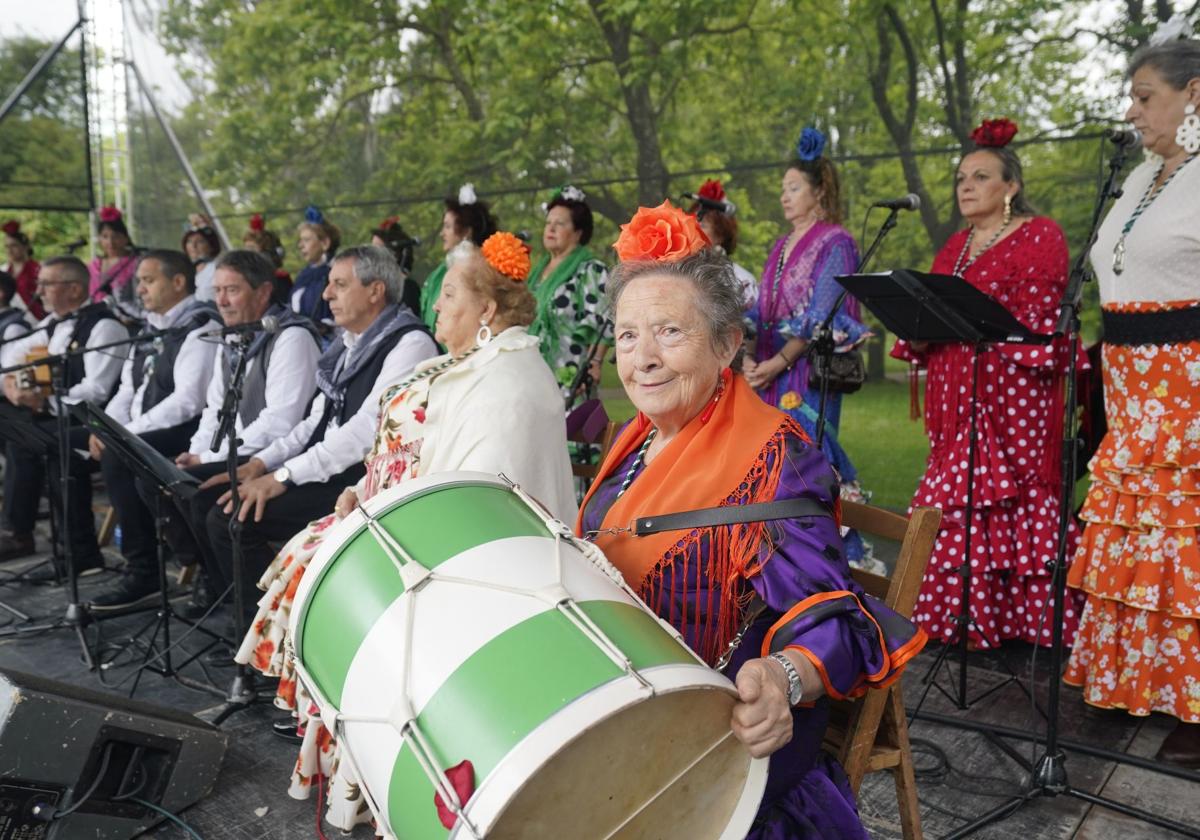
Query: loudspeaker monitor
[72, 760]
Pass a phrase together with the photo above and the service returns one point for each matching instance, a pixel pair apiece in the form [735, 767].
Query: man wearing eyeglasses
[72, 323]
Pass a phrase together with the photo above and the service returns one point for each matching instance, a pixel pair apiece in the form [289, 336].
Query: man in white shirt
[72, 323]
[279, 381]
[298, 478]
[162, 391]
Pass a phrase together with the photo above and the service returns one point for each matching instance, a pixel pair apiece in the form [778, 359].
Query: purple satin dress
[808, 795]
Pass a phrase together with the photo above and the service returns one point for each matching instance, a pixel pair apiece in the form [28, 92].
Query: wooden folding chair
[589, 424]
[870, 733]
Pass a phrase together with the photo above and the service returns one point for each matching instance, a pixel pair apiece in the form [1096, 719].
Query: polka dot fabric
[1139, 563]
[1018, 422]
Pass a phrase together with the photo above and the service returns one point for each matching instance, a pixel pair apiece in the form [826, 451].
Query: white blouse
[1162, 252]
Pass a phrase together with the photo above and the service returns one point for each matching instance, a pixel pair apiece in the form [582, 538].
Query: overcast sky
[50, 19]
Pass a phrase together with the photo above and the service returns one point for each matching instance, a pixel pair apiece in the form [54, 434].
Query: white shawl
[500, 411]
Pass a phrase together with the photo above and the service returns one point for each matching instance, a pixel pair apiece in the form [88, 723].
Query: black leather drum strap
[729, 515]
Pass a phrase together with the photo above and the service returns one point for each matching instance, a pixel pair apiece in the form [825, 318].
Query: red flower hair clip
[712, 190]
[995, 134]
[389, 222]
[12, 227]
[661, 234]
[109, 213]
[257, 223]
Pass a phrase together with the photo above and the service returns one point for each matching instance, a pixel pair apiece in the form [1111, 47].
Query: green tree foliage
[375, 107]
[42, 144]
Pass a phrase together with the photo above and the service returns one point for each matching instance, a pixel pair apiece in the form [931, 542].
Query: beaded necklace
[637, 463]
[1147, 199]
[425, 374]
[959, 265]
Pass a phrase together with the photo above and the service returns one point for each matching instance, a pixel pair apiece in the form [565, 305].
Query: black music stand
[169, 481]
[941, 308]
[17, 427]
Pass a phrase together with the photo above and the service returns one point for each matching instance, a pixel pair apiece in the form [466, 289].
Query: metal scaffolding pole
[36, 71]
[179, 154]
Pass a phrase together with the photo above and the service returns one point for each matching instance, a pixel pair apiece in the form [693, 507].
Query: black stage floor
[250, 800]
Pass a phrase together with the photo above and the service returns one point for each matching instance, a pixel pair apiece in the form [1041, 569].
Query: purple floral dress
[808, 795]
[794, 299]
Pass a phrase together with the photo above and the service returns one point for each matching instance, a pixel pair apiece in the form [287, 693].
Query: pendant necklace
[1118, 263]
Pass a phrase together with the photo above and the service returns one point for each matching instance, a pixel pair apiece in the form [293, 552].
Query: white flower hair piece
[466, 194]
[1174, 29]
[568, 193]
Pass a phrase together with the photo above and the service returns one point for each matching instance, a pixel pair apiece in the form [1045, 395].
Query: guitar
[35, 378]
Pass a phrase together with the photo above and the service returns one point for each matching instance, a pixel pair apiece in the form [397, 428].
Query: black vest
[88, 317]
[159, 355]
[358, 387]
[254, 386]
[9, 317]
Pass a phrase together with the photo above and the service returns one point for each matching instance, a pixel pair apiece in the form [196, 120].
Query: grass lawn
[888, 448]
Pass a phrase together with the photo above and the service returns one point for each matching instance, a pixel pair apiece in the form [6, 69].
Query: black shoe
[51, 573]
[201, 600]
[133, 591]
[285, 728]
[15, 546]
[44, 574]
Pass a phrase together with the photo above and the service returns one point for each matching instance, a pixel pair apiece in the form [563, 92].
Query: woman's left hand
[762, 719]
[765, 372]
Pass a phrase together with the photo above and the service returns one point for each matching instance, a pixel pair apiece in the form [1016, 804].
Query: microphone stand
[77, 615]
[822, 344]
[584, 381]
[1048, 774]
[242, 693]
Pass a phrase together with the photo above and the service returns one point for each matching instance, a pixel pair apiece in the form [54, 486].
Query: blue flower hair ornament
[810, 145]
[313, 215]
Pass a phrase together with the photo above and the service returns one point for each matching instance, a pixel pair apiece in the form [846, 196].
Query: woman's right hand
[345, 503]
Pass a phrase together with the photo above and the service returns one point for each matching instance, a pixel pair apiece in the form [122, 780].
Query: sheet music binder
[147, 461]
[918, 306]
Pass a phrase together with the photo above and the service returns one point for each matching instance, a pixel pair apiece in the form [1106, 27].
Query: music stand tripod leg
[76, 614]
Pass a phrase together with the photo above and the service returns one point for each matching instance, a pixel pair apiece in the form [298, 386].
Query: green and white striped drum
[453, 619]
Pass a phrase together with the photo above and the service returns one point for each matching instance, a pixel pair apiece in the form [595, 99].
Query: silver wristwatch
[284, 476]
[795, 686]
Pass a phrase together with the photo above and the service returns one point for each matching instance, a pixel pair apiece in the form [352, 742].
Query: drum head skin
[652, 772]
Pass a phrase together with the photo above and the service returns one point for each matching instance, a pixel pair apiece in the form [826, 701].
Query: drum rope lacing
[416, 576]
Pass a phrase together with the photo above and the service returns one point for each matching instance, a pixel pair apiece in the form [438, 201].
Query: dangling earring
[1007, 209]
[484, 335]
[1188, 133]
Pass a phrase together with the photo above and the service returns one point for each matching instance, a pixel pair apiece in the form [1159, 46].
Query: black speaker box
[60, 744]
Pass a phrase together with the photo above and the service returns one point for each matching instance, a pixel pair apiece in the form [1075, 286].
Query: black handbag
[847, 372]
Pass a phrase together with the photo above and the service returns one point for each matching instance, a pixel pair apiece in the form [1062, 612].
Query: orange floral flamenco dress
[1138, 647]
[394, 459]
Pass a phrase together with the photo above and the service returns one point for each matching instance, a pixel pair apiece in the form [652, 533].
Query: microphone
[726, 207]
[1125, 138]
[912, 201]
[268, 324]
[75, 245]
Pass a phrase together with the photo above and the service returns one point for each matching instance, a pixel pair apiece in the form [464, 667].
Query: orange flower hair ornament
[508, 255]
[661, 234]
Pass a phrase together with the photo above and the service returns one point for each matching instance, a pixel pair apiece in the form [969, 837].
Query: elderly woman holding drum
[772, 601]
[490, 405]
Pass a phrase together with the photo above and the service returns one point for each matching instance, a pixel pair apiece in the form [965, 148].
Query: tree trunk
[653, 180]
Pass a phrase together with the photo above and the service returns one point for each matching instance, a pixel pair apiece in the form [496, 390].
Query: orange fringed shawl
[731, 453]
